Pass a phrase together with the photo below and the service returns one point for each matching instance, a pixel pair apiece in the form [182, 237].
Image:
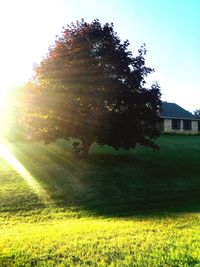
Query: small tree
[90, 87]
[197, 113]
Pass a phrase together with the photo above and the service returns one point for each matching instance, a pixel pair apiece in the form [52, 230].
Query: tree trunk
[86, 146]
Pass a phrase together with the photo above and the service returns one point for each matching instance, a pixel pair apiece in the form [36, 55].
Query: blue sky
[170, 29]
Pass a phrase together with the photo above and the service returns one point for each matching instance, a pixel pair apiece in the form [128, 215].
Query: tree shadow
[112, 184]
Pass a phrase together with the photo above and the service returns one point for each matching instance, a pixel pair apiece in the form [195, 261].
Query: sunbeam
[6, 154]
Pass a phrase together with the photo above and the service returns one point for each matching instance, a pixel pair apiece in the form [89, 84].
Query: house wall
[195, 126]
[168, 127]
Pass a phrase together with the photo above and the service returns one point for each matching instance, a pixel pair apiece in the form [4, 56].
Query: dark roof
[172, 110]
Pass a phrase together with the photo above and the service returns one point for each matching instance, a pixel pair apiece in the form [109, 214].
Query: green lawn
[116, 208]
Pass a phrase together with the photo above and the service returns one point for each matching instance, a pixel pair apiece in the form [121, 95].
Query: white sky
[169, 28]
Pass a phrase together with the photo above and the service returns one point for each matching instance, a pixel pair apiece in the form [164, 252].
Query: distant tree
[197, 113]
[90, 87]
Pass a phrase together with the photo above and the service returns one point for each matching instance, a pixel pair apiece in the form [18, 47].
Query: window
[176, 124]
[187, 125]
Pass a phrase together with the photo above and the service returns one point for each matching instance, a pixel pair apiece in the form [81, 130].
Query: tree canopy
[90, 87]
[197, 113]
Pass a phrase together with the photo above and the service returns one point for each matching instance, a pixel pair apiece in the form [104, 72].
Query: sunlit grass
[21, 170]
[155, 242]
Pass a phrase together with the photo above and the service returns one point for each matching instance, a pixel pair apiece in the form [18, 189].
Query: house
[175, 119]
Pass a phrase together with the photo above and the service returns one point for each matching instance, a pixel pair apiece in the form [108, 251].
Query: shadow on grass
[111, 183]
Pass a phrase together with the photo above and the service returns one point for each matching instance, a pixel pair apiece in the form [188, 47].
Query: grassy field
[138, 208]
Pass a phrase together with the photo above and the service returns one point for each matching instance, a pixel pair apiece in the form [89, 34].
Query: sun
[4, 113]
[10, 83]
[6, 105]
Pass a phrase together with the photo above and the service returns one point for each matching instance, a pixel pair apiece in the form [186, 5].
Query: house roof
[172, 110]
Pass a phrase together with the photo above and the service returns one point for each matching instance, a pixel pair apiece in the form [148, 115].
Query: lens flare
[7, 155]
[5, 107]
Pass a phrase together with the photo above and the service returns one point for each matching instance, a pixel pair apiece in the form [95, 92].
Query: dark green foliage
[90, 87]
[197, 113]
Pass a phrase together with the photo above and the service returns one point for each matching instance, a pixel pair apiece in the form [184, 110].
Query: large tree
[90, 87]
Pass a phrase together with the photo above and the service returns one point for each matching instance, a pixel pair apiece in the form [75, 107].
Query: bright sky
[170, 29]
